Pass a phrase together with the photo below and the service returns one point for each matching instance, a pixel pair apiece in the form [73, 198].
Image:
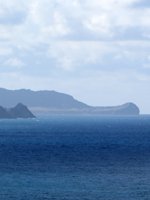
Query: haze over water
[75, 157]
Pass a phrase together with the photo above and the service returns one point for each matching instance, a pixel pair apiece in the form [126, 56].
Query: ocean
[75, 158]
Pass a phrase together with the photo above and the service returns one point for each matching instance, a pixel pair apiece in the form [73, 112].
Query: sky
[98, 51]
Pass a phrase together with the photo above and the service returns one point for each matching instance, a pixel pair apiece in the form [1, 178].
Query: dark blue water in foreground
[75, 158]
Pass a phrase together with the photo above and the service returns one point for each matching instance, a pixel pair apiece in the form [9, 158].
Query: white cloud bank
[69, 44]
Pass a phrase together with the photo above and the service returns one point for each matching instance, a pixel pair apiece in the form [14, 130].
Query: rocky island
[52, 102]
[19, 111]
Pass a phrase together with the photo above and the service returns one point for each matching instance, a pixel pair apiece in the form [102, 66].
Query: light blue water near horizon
[75, 157]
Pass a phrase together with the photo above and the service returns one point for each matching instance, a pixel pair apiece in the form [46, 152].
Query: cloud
[70, 55]
[12, 12]
[25, 24]
[14, 62]
[66, 44]
[47, 20]
[96, 55]
[5, 51]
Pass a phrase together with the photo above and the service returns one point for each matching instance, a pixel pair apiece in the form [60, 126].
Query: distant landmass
[19, 111]
[54, 102]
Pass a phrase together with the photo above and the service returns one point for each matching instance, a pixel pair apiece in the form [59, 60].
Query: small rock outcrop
[19, 111]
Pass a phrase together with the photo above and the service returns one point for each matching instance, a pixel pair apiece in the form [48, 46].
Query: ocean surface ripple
[75, 158]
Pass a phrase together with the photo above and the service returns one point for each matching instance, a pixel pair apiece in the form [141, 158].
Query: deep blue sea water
[75, 158]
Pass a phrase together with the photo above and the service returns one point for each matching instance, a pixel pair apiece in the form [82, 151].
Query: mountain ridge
[44, 101]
